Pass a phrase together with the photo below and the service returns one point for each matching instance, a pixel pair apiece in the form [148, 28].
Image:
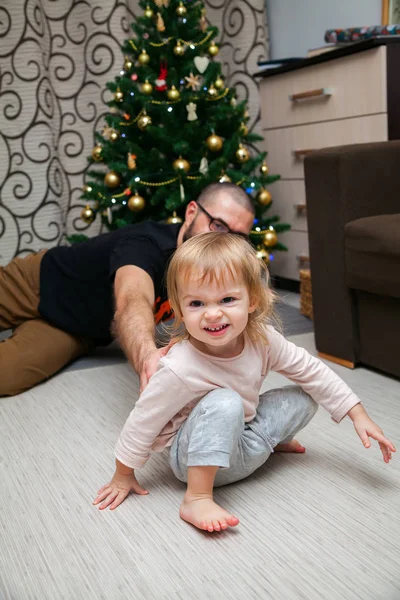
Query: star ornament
[105, 132]
[193, 81]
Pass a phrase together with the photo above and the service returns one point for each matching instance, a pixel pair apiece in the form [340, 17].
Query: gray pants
[215, 433]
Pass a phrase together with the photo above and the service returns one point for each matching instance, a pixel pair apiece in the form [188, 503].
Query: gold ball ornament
[270, 238]
[87, 215]
[181, 10]
[244, 130]
[214, 143]
[128, 64]
[264, 169]
[242, 154]
[181, 164]
[213, 49]
[263, 255]
[179, 49]
[144, 58]
[146, 88]
[87, 189]
[112, 179]
[136, 203]
[114, 135]
[219, 83]
[118, 96]
[174, 219]
[264, 197]
[225, 178]
[212, 91]
[144, 121]
[148, 13]
[173, 93]
[96, 153]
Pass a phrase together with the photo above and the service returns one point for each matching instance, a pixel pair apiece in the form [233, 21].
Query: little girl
[203, 401]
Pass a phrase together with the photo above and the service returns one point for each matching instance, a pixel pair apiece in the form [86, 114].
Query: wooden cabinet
[346, 96]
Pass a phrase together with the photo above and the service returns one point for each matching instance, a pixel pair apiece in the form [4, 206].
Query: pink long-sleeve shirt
[185, 375]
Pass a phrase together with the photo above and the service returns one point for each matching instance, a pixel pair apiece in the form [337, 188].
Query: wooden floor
[321, 526]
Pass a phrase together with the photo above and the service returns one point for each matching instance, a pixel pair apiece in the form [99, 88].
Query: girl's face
[216, 314]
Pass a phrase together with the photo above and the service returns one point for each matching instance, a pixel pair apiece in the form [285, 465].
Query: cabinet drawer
[283, 143]
[290, 203]
[287, 264]
[357, 85]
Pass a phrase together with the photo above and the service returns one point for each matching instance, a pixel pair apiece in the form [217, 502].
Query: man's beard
[189, 232]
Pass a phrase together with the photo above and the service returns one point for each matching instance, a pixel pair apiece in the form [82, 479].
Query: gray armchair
[353, 211]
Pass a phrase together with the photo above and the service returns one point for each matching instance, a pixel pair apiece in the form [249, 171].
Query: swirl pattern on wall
[55, 60]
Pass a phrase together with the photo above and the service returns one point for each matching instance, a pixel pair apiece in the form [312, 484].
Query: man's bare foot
[205, 514]
[293, 446]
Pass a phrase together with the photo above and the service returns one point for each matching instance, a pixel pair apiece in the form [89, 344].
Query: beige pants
[36, 350]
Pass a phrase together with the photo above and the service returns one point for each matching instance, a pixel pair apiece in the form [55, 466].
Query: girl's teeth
[215, 328]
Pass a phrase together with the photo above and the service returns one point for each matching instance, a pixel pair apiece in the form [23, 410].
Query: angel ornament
[203, 166]
[191, 109]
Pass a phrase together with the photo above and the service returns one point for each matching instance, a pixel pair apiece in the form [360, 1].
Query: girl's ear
[253, 305]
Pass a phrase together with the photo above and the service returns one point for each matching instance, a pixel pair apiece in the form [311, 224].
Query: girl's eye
[228, 299]
[195, 303]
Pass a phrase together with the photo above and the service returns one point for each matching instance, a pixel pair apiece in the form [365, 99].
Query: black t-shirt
[76, 283]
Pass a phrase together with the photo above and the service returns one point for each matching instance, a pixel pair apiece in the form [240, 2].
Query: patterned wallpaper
[55, 59]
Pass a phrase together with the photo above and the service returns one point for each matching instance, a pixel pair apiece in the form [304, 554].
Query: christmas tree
[174, 127]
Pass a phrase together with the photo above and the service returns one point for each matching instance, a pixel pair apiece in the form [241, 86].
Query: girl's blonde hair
[214, 256]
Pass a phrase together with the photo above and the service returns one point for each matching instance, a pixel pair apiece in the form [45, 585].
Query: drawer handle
[320, 93]
[302, 152]
[302, 258]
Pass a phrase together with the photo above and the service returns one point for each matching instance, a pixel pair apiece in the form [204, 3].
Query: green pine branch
[157, 145]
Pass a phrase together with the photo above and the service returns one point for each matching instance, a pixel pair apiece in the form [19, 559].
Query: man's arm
[134, 320]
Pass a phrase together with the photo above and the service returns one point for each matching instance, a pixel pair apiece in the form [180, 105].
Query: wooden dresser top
[352, 48]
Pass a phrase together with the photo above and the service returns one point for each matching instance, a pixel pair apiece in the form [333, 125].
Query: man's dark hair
[212, 191]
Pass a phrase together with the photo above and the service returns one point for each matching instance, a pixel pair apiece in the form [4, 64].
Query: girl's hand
[114, 493]
[366, 428]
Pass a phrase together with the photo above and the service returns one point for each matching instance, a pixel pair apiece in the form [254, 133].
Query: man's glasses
[220, 225]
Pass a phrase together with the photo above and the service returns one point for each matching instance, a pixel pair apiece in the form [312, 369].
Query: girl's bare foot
[293, 446]
[204, 513]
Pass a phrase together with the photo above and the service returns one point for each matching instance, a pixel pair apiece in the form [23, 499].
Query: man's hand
[149, 366]
[114, 493]
[366, 428]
